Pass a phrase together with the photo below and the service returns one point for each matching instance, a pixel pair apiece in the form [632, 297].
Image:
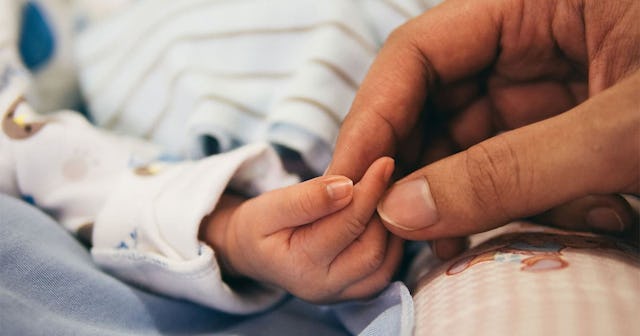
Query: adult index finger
[452, 41]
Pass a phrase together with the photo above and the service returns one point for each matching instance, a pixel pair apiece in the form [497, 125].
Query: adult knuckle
[399, 33]
[408, 39]
[495, 175]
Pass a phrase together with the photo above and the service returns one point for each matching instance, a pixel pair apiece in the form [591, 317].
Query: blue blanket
[49, 285]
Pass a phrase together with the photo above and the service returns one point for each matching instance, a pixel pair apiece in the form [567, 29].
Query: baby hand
[320, 240]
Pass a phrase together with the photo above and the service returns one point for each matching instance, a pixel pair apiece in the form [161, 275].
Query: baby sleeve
[147, 230]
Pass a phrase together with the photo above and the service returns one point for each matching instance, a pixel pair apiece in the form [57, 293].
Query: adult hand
[533, 98]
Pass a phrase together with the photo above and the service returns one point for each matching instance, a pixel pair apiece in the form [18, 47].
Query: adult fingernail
[339, 188]
[409, 205]
[604, 218]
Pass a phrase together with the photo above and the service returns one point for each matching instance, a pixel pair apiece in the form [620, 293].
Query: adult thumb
[589, 150]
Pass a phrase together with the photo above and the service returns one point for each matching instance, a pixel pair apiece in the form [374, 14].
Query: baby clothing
[179, 72]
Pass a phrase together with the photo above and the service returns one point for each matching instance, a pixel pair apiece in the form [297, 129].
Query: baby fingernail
[409, 206]
[388, 171]
[339, 188]
[604, 218]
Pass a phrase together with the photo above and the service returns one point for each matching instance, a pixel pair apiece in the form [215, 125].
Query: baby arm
[319, 240]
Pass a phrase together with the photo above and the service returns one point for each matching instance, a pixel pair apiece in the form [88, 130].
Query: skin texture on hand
[319, 239]
[532, 97]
